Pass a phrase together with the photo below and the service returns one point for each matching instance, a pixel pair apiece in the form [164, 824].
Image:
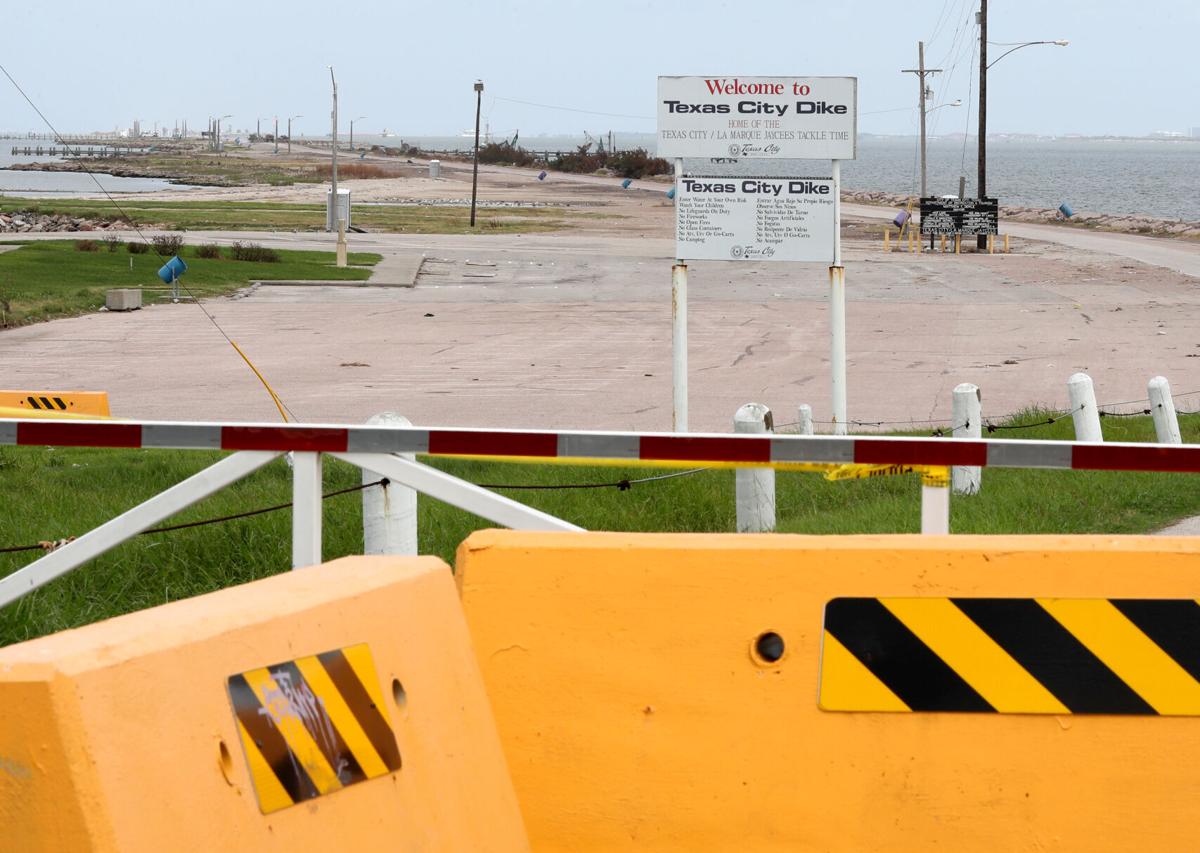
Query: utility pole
[981, 243]
[333, 115]
[276, 135]
[475, 172]
[921, 71]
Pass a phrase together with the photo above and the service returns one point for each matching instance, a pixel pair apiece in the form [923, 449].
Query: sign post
[679, 352]
[752, 200]
[837, 312]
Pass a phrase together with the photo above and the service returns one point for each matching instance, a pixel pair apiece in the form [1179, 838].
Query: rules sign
[754, 219]
[966, 216]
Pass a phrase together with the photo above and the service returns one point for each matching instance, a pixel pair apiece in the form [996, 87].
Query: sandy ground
[574, 329]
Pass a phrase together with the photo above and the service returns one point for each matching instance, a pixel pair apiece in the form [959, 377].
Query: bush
[166, 245]
[254, 252]
[208, 250]
[637, 163]
[506, 154]
[112, 241]
[634, 163]
[87, 246]
[136, 248]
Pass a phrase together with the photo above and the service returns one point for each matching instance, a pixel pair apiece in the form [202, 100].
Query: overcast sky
[1131, 68]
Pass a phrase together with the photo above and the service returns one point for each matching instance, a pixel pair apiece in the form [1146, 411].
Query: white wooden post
[805, 418]
[1162, 409]
[754, 487]
[966, 413]
[306, 510]
[679, 351]
[1082, 398]
[341, 239]
[390, 511]
[935, 505]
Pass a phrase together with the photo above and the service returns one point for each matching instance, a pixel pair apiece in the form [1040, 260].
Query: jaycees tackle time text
[758, 187]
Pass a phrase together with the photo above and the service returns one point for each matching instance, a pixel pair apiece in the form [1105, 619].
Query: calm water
[1160, 179]
[1154, 178]
[49, 184]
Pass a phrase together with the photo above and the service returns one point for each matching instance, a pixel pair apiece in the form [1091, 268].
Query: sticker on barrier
[1012, 655]
[312, 726]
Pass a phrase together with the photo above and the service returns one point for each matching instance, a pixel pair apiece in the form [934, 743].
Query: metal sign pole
[837, 310]
[679, 353]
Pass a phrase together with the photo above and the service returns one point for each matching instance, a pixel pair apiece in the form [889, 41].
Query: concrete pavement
[573, 330]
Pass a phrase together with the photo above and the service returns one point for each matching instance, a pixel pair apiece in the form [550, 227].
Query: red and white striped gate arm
[665, 448]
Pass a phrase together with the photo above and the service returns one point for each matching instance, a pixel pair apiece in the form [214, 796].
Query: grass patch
[67, 491]
[51, 279]
[281, 216]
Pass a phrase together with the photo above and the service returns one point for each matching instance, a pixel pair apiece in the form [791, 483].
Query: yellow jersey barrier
[885, 693]
[334, 708]
[25, 404]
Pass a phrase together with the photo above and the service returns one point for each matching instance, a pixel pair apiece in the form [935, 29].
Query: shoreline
[1121, 223]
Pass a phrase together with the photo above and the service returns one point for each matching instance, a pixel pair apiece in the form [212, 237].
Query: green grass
[282, 216]
[51, 279]
[65, 492]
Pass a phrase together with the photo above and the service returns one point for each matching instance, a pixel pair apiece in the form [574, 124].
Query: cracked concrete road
[573, 330]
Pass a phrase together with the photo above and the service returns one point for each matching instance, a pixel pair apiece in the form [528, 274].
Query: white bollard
[805, 418]
[1162, 409]
[341, 242]
[966, 412]
[754, 487]
[1084, 412]
[389, 511]
[935, 509]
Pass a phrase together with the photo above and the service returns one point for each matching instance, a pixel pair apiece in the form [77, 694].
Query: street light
[984, 65]
[290, 132]
[475, 171]
[1059, 42]
[219, 131]
[352, 121]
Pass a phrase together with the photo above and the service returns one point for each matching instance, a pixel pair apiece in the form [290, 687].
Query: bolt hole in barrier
[398, 694]
[769, 647]
[226, 761]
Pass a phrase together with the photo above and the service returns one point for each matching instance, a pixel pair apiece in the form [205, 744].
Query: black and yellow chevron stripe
[313, 726]
[1012, 655]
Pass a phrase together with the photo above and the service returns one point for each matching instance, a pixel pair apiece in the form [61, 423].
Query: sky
[1130, 68]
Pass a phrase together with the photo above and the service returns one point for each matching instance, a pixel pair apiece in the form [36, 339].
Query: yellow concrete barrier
[55, 402]
[333, 708]
[669, 692]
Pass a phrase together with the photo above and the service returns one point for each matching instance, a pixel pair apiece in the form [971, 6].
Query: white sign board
[812, 118]
[726, 218]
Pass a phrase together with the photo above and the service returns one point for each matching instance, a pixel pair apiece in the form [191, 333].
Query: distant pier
[69, 150]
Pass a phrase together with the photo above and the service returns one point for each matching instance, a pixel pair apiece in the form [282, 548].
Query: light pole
[352, 121]
[275, 135]
[475, 170]
[334, 196]
[219, 131]
[290, 132]
[957, 102]
[984, 65]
